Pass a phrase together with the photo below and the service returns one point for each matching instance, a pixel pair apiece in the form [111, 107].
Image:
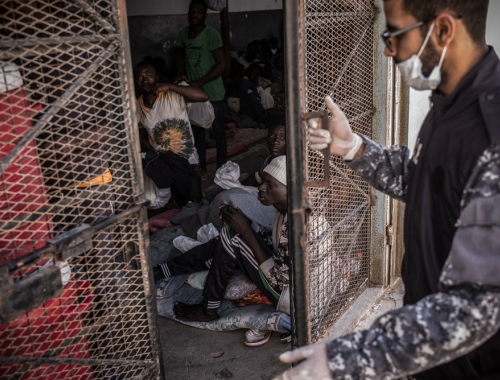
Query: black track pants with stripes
[221, 257]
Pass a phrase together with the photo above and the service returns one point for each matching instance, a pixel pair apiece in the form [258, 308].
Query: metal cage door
[76, 290]
[330, 53]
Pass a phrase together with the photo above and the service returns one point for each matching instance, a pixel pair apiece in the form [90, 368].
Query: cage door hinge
[388, 234]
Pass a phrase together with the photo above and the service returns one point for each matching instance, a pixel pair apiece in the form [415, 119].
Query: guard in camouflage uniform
[448, 328]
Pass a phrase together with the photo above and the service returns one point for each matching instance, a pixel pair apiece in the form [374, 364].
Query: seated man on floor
[170, 156]
[266, 265]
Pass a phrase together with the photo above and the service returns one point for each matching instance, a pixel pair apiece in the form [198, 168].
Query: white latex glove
[340, 137]
[315, 367]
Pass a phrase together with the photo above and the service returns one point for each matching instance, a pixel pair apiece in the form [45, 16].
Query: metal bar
[349, 59]
[339, 14]
[49, 248]
[142, 222]
[94, 14]
[57, 40]
[56, 106]
[84, 361]
[294, 83]
[362, 115]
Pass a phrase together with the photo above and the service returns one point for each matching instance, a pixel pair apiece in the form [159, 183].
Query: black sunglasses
[386, 35]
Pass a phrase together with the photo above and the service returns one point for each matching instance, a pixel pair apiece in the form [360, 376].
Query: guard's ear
[445, 29]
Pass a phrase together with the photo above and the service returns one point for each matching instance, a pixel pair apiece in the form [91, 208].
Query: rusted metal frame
[87, 8]
[349, 58]
[339, 14]
[138, 183]
[128, 362]
[54, 41]
[51, 248]
[56, 106]
[295, 86]
[327, 304]
[326, 152]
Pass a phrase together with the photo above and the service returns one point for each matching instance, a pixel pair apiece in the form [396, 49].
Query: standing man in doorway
[448, 328]
[200, 49]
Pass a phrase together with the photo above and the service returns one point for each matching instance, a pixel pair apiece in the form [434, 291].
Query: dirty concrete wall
[419, 100]
[179, 7]
[155, 25]
[157, 35]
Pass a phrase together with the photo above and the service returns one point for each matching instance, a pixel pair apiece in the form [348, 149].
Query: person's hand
[339, 134]
[314, 367]
[235, 219]
[160, 87]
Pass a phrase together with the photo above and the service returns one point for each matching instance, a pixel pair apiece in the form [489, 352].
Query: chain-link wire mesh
[338, 40]
[66, 159]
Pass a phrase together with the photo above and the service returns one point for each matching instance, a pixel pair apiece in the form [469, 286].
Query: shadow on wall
[157, 35]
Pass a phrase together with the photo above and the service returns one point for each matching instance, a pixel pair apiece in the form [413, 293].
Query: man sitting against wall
[267, 265]
[165, 132]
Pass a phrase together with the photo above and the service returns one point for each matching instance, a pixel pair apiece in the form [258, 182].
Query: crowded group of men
[450, 182]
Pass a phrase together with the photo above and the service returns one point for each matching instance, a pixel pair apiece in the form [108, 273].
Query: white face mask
[411, 69]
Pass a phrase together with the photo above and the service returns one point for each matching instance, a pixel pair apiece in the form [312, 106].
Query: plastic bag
[158, 198]
[216, 5]
[184, 243]
[239, 285]
[227, 176]
[266, 98]
[206, 233]
[201, 114]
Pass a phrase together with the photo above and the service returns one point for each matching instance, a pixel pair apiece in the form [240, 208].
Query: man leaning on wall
[448, 328]
[200, 49]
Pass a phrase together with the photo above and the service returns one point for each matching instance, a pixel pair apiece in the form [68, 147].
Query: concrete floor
[187, 351]
[187, 354]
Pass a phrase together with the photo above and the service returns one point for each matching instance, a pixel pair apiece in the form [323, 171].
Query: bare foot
[193, 313]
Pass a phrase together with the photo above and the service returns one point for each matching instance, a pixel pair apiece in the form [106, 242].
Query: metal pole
[226, 37]
[145, 256]
[297, 238]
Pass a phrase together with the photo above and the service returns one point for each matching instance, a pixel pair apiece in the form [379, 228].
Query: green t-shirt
[200, 59]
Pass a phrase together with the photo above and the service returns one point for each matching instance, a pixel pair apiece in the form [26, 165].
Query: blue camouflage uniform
[449, 326]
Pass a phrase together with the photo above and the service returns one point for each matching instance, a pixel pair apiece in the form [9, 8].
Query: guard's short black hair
[473, 13]
[201, 2]
[145, 63]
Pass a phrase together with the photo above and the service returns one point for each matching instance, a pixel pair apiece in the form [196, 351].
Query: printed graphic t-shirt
[168, 125]
[200, 61]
